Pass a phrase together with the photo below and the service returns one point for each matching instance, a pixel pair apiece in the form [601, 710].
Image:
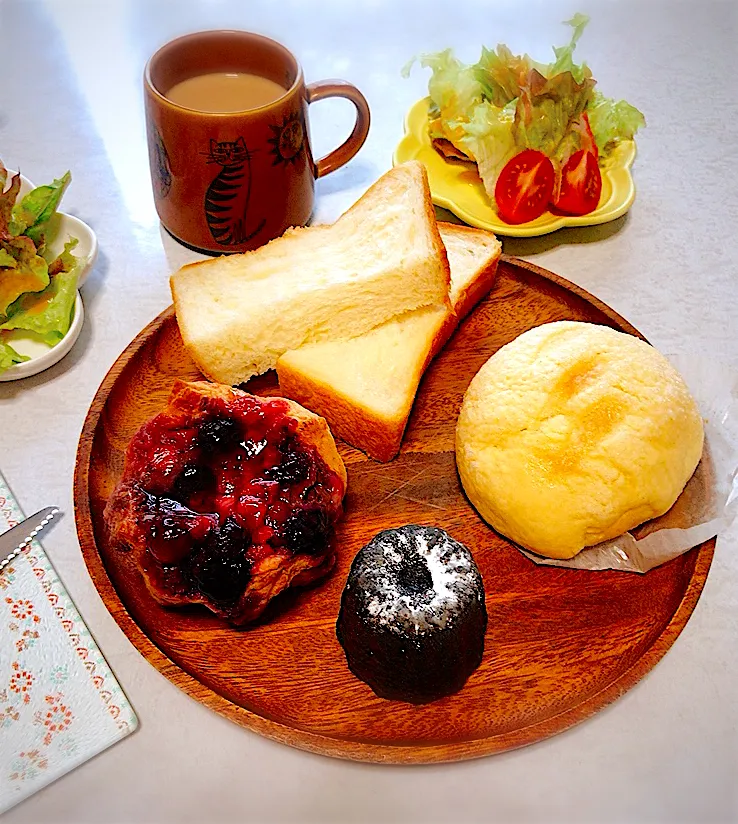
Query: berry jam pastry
[413, 617]
[227, 499]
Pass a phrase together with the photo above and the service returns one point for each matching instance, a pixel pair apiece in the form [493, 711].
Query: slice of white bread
[384, 256]
[365, 387]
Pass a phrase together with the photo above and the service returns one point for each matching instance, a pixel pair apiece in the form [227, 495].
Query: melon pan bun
[574, 433]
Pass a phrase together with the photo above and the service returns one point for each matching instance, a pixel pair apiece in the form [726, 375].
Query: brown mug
[229, 181]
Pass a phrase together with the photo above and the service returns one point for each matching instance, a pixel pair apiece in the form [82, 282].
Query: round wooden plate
[560, 643]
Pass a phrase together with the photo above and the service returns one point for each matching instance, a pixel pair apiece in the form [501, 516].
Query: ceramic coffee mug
[231, 181]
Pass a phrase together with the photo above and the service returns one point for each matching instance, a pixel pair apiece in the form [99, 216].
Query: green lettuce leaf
[546, 110]
[453, 90]
[9, 357]
[7, 260]
[565, 54]
[36, 209]
[501, 74]
[49, 313]
[65, 261]
[613, 121]
[504, 76]
[489, 139]
[30, 274]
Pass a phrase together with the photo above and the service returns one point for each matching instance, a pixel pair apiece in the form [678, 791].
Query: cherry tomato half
[581, 184]
[524, 187]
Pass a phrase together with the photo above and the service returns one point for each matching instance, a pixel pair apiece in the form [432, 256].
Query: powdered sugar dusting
[455, 579]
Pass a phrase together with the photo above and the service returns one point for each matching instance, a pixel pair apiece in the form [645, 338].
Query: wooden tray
[560, 643]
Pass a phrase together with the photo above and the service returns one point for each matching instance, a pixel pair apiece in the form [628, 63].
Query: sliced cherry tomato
[581, 185]
[524, 187]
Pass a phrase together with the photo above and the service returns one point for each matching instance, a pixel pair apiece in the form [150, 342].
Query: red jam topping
[226, 488]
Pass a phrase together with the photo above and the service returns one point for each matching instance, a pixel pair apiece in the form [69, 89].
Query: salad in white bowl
[44, 256]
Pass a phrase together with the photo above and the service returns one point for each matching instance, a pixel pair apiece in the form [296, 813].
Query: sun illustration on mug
[288, 139]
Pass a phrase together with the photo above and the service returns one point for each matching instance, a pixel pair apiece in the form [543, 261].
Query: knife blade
[17, 538]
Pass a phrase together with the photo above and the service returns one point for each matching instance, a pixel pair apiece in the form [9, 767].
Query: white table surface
[70, 97]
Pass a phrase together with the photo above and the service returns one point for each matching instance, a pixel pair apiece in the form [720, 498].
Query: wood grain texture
[560, 643]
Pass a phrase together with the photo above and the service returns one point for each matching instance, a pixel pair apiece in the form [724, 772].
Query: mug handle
[344, 153]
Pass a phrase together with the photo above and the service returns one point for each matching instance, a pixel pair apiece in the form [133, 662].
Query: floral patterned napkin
[59, 702]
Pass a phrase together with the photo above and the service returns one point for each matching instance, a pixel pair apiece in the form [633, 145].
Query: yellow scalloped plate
[456, 186]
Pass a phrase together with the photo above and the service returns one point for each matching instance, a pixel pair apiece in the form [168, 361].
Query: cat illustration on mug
[227, 197]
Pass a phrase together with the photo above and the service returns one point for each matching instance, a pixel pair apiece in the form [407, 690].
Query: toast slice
[365, 387]
[384, 256]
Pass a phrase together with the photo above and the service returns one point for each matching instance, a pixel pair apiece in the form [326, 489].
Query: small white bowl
[43, 356]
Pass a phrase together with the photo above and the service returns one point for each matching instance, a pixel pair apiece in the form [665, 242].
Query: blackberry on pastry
[413, 617]
[227, 499]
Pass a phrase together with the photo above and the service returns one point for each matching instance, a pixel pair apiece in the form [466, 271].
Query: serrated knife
[18, 537]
